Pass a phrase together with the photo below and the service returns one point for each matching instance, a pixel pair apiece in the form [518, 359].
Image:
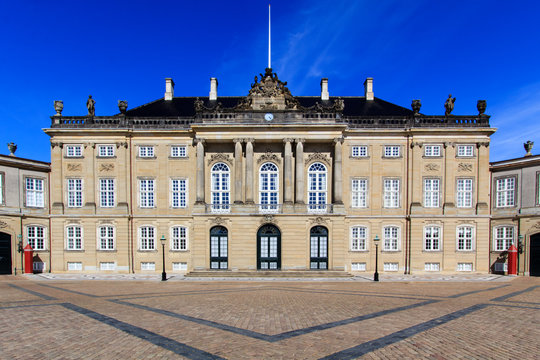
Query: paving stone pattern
[59, 318]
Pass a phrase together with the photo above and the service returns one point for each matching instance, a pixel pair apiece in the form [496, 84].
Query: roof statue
[449, 105]
[91, 105]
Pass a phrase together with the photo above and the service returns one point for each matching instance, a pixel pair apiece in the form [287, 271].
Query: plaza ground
[50, 317]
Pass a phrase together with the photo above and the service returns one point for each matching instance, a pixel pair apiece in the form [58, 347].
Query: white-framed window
[35, 196]
[359, 192]
[391, 266]
[504, 237]
[221, 188]
[432, 266]
[179, 266]
[359, 151]
[178, 151]
[75, 192]
[432, 238]
[179, 238]
[505, 191]
[106, 237]
[464, 267]
[107, 266]
[74, 237]
[391, 238]
[465, 238]
[74, 266]
[73, 150]
[464, 193]
[465, 150]
[146, 151]
[317, 188]
[179, 193]
[391, 151]
[146, 193]
[2, 188]
[106, 150]
[35, 235]
[106, 192]
[147, 238]
[391, 193]
[39, 266]
[432, 150]
[358, 266]
[358, 238]
[148, 266]
[432, 190]
[269, 187]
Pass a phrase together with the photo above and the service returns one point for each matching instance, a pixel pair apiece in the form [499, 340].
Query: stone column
[200, 171]
[89, 181]
[338, 172]
[237, 171]
[288, 192]
[57, 185]
[249, 170]
[300, 171]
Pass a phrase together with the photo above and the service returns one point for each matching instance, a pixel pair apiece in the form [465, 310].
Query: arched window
[317, 175]
[268, 188]
[221, 188]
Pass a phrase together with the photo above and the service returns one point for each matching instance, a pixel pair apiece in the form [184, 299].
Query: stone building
[24, 212]
[516, 212]
[270, 181]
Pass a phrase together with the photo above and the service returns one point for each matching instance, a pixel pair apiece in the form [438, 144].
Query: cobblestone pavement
[51, 318]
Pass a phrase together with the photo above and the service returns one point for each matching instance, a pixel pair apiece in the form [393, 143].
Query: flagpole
[269, 40]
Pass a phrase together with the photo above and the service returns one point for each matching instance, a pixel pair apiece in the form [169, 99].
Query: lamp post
[376, 241]
[520, 250]
[163, 274]
[20, 251]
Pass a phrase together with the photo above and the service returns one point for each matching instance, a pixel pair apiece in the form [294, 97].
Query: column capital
[238, 141]
[121, 144]
[338, 140]
[486, 144]
[416, 143]
[199, 141]
[249, 140]
[288, 140]
[300, 141]
[59, 144]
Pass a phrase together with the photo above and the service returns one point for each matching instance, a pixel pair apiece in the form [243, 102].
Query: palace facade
[270, 181]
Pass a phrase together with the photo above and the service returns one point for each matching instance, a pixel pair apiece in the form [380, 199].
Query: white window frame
[74, 240]
[179, 238]
[464, 195]
[179, 266]
[392, 196]
[107, 150]
[317, 187]
[178, 151]
[75, 187]
[74, 151]
[269, 188]
[220, 187]
[147, 193]
[359, 151]
[359, 238]
[359, 192]
[146, 151]
[432, 266]
[465, 150]
[148, 266]
[432, 237]
[392, 151]
[465, 266]
[464, 241]
[505, 188]
[358, 266]
[432, 150]
[106, 235]
[391, 243]
[35, 196]
[36, 237]
[107, 192]
[502, 243]
[74, 266]
[179, 193]
[432, 191]
[147, 238]
[391, 266]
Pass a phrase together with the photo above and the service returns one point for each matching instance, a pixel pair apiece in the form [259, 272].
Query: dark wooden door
[5, 253]
[534, 260]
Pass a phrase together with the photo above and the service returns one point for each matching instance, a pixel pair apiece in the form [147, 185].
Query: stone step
[275, 273]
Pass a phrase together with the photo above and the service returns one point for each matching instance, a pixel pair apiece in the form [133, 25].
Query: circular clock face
[268, 117]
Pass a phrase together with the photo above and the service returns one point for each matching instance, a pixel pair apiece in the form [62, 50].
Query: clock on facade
[268, 117]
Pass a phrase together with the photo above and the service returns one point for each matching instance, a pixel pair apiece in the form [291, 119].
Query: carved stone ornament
[318, 220]
[59, 144]
[106, 167]
[481, 106]
[416, 143]
[268, 156]
[58, 107]
[528, 147]
[12, 147]
[464, 167]
[122, 106]
[268, 219]
[219, 220]
[74, 167]
[416, 105]
[122, 144]
[431, 167]
[317, 156]
[449, 105]
[3, 224]
[534, 229]
[219, 157]
[93, 145]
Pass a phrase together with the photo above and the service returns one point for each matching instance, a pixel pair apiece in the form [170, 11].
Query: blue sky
[66, 50]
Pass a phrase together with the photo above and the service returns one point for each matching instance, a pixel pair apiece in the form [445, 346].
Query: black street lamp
[376, 241]
[163, 274]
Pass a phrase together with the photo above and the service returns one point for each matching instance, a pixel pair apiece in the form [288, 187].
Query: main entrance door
[5, 253]
[219, 240]
[534, 260]
[318, 248]
[268, 248]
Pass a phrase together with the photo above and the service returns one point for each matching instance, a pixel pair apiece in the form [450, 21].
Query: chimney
[169, 89]
[368, 89]
[213, 89]
[324, 89]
